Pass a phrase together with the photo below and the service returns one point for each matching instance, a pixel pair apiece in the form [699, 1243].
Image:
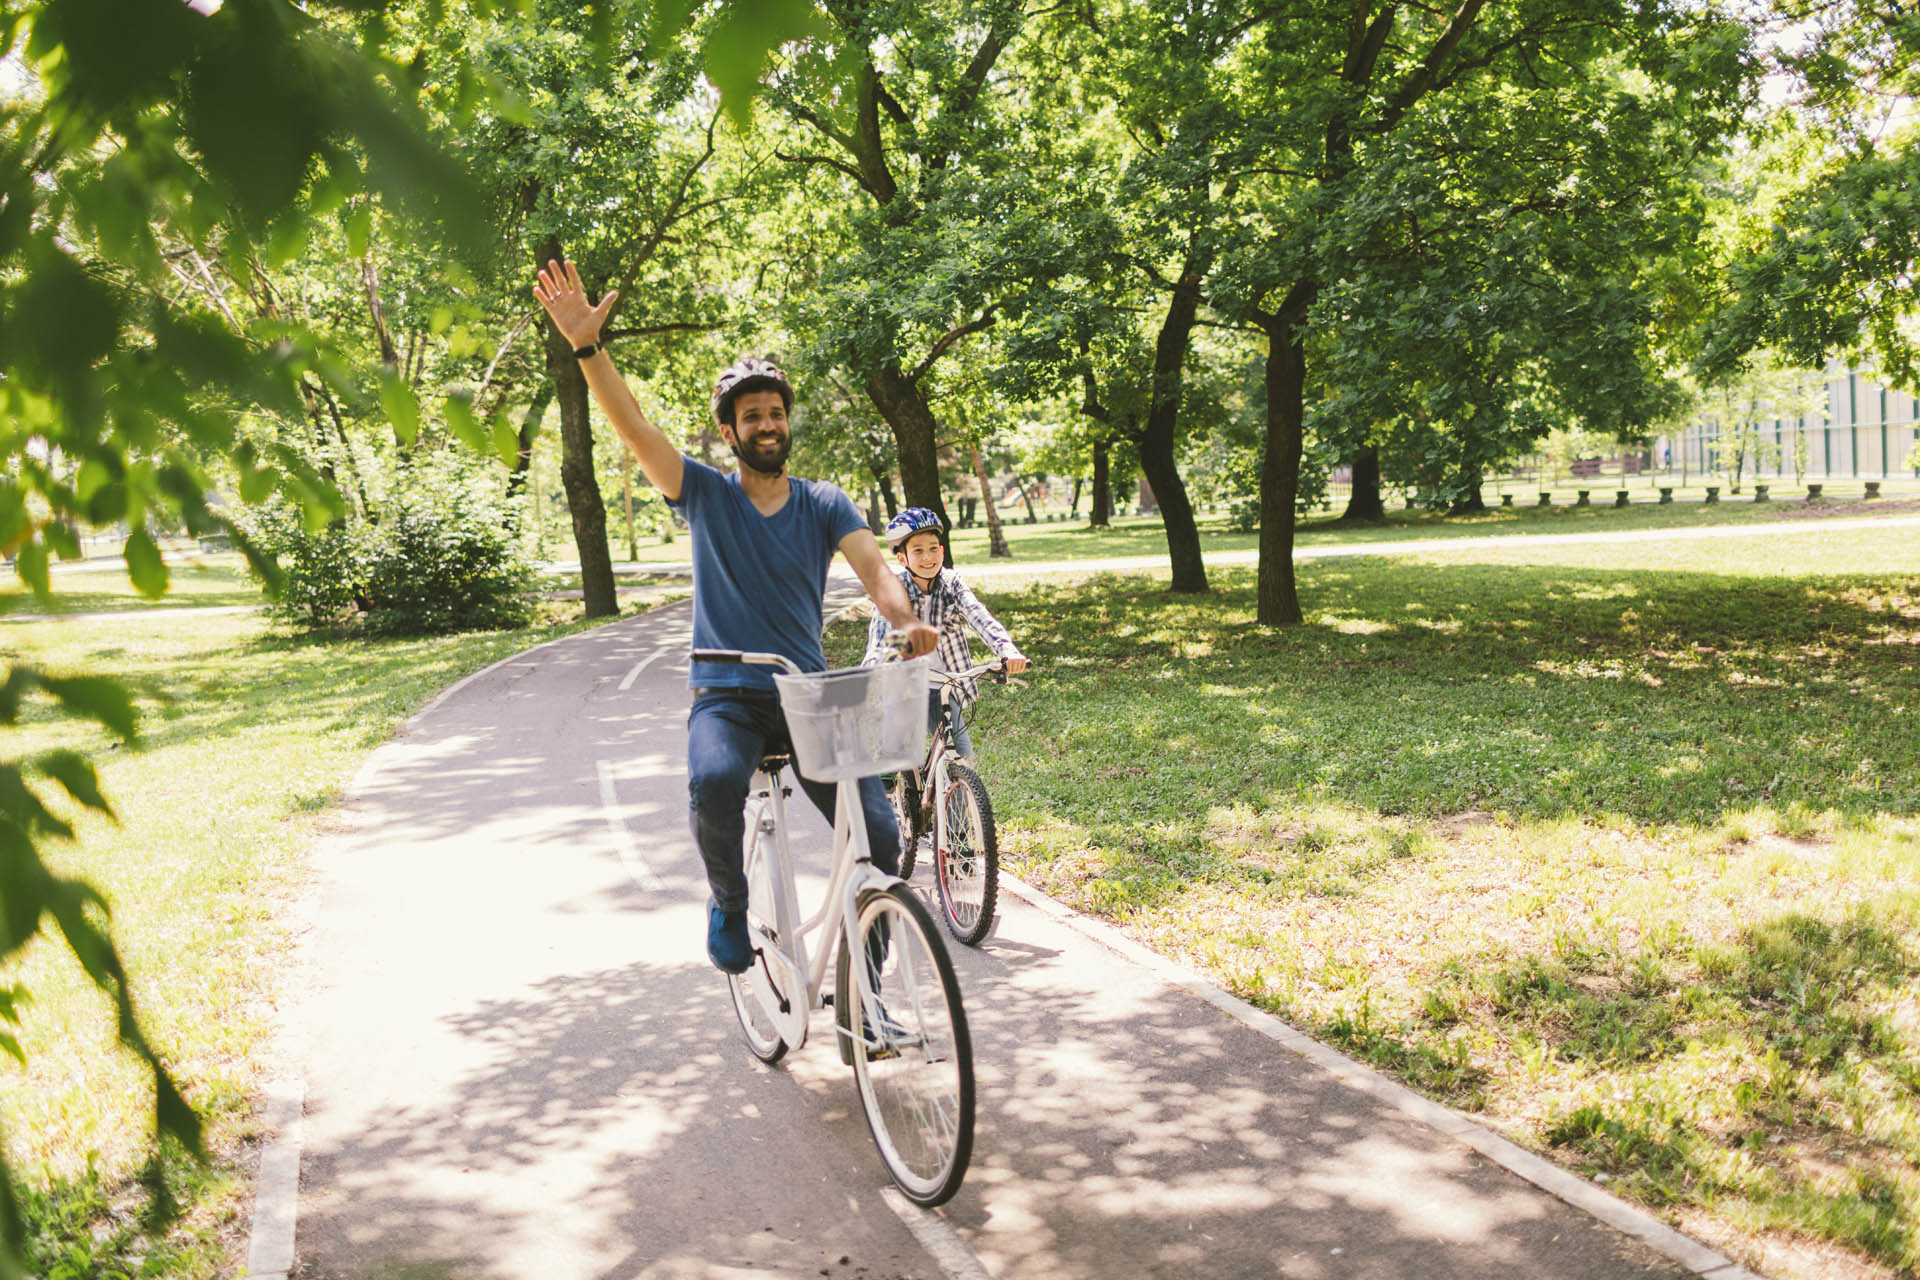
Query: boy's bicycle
[896, 1001]
[945, 798]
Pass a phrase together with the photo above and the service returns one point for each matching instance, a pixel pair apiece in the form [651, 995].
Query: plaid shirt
[950, 608]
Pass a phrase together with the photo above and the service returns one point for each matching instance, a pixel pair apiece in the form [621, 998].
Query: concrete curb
[1578, 1192]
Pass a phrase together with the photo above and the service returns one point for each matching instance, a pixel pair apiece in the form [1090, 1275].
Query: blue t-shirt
[759, 582]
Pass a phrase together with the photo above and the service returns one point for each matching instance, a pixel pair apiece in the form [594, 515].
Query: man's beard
[767, 466]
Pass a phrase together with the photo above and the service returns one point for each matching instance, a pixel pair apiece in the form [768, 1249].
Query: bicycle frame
[852, 873]
[932, 773]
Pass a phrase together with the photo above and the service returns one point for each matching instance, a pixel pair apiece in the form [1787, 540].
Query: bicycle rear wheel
[899, 1006]
[966, 856]
[755, 996]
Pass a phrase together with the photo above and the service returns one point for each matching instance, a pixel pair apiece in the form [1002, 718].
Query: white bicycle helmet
[749, 373]
[909, 522]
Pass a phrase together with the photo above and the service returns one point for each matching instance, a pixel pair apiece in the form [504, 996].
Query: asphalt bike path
[517, 1062]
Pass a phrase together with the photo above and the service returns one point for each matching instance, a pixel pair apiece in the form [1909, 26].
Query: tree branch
[829, 161]
[513, 333]
[985, 321]
[676, 210]
[649, 330]
[1423, 80]
[826, 130]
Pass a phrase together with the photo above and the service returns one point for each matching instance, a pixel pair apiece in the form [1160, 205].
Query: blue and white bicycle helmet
[749, 373]
[909, 522]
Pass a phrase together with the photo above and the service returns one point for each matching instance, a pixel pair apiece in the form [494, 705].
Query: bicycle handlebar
[754, 659]
[997, 669]
[899, 644]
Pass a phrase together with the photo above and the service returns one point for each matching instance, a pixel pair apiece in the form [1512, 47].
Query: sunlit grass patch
[1624, 859]
[216, 579]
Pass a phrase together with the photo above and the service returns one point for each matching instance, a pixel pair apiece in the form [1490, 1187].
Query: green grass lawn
[248, 735]
[1615, 845]
[98, 587]
[1146, 536]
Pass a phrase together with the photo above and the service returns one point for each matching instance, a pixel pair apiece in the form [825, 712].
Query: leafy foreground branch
[1625, 862]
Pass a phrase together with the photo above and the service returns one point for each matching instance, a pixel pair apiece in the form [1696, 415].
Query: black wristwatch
[587, 352]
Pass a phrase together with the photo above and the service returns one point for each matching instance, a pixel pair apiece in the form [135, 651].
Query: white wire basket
[857, 722]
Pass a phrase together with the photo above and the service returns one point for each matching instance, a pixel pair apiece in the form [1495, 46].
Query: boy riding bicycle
[941, 600]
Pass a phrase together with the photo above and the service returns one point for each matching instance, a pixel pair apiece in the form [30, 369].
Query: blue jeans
[962, 744]
[728, 730]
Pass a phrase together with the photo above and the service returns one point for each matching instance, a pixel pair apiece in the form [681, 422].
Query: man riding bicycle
[762, 542]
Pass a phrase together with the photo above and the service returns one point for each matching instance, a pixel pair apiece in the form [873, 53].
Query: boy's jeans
[962, 743]
[728, 730]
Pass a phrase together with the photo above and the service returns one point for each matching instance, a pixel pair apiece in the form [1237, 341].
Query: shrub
[324, 568]
[444, 558]
[439, 553]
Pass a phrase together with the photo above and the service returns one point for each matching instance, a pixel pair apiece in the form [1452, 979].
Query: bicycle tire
[915, 1077]
[966, 856]
[904, 795]
[755, 996]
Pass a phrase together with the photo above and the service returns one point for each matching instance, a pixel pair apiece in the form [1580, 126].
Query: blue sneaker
[728, 945]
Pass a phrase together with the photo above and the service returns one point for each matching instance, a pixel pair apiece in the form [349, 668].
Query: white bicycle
[896, 1002]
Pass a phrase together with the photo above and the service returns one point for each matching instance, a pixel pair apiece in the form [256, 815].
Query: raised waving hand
[559, 290]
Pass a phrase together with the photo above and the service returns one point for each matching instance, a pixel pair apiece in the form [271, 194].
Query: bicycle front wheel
[907, 1035]
[904, 794]
[755, 996]
[966, 856]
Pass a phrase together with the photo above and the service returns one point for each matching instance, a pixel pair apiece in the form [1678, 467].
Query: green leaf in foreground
[74, 772]
[144, 565]
[403, 411]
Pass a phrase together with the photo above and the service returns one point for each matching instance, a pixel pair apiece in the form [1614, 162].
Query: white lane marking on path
[937, 1236]
[275, 1200]
[622, 838]
[640, 666]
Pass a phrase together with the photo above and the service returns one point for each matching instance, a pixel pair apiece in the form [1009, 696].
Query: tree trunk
[1100, 512]
[626, 499]
[1073, 512]
[1183, 535]
[915, 433]
[529, 429]
[1157, 441]
[576, 465]
[1471, 498]
[1026, 496]
[997, 548]
[1365, 502]
[1278, 599]
[883, 476]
